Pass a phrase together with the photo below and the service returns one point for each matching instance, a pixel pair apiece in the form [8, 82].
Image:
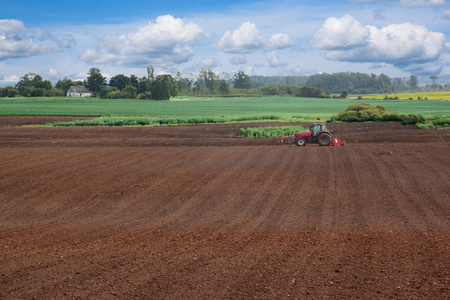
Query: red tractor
[317, 133]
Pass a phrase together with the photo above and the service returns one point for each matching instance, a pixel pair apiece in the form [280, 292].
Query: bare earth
[196, 212]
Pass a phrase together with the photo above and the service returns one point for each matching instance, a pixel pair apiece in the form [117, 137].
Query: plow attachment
[289, 139]
[337, 142]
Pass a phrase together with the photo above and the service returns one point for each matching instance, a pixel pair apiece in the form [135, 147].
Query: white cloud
[51, 74]
[243, 40]
[11, 27]
[419, 3]
[274, 60]
[161, 43]
[279, 41]
[14, 78]
[18, 42]
[247, 39]
[210, 62]
[15, 43]
[343, 33]
[405, 46]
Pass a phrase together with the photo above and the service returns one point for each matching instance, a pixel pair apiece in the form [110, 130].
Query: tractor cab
[316, 128]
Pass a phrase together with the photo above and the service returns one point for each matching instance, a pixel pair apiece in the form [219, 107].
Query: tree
[143, 86]
[242, 81]
[434, 78]
[119, 81]
[161, 89]
[129, 92]
[26, 82]
[64, 84]
[207, 79]
[31, 84]
[134, 81]
[224, 87]
[344, 94]
[413, 82]
[150, 73]
[181, 82]
[95, 81]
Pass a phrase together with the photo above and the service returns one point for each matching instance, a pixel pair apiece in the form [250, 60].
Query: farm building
[79, 91]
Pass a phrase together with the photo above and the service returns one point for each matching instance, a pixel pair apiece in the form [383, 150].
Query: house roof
[78, 89]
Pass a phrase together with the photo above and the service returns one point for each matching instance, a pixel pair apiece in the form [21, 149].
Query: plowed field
[196, 212]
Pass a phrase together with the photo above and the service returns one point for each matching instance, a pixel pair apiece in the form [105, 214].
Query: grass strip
[145, 121]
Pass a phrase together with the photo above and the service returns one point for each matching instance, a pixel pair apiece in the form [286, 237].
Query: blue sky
[60, 39]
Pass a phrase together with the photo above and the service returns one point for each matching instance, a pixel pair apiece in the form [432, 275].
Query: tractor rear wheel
[300, 141]
[324, 139]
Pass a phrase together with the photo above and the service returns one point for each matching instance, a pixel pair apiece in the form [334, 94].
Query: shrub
[411, 119]
[364, 112]
[145, 96]
[443, 121]
[361, 112]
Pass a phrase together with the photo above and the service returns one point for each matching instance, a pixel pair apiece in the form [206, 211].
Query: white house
[78, 91]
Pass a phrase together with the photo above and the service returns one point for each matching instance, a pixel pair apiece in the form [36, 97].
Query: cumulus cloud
[401, 45]
[279, 41]
[211, 62]
[243, 40]
[51, 74]
[3, 77]
[343, 33]
[162, 43]
[419, 3]
[247, 39]
[274, 60]
[16, 41]
[11, 27]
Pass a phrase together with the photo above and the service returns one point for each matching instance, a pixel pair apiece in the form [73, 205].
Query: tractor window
[316, 130]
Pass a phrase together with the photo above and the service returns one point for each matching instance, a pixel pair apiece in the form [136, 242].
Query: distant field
[283, 108]
[405, 96]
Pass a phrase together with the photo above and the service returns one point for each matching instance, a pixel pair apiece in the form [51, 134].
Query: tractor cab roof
[322, 125]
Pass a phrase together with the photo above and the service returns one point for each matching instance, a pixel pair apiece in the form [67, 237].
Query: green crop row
[270, 132]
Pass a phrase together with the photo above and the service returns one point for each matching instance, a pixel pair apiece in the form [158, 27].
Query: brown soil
[196, 212]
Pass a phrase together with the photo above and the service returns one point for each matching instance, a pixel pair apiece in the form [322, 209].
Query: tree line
[209, 83]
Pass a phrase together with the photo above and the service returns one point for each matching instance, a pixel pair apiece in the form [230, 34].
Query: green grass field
[281, 108]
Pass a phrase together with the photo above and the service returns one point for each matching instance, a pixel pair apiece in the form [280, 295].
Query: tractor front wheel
[300, 141]
[324, 139]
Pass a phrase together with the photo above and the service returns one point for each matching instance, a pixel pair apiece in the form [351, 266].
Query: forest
[209, 83]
